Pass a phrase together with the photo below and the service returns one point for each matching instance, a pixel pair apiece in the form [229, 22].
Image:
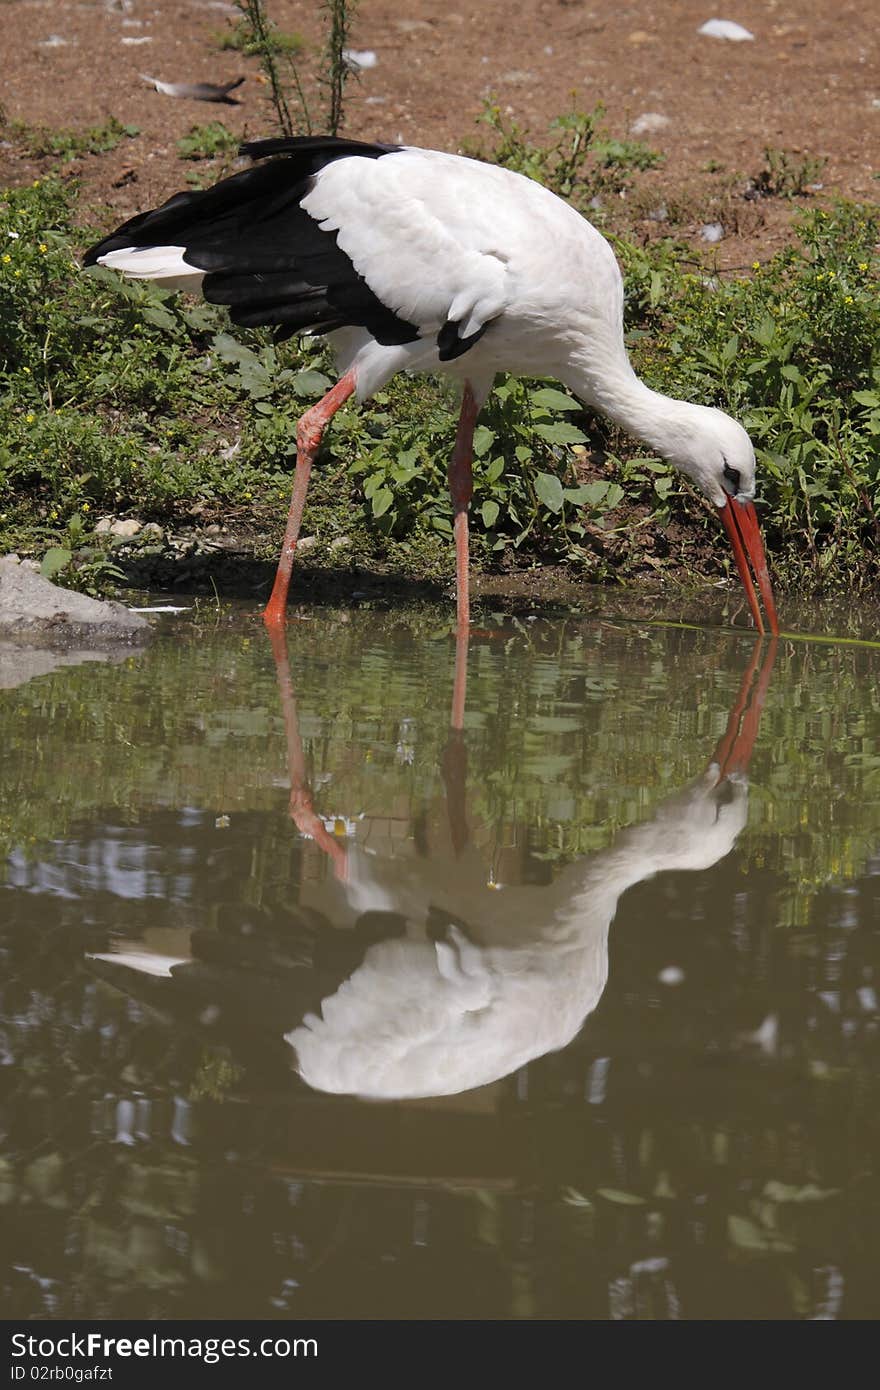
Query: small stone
[152, 528]
[725, 29]
[306, 543]
[649, 123]
[127, 527]
[340, 543]
[712, 231]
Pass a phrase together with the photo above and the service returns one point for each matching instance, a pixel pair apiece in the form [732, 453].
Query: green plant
[261, 38]
[67, 144]
[578, 162]
[337, 70]
[207, 141]
[785, 175]
[253, 39]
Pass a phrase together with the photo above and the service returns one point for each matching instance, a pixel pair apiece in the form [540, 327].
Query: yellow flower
[847, 299]
[756, 265]
[863, 265]
[30, 418]
[86, 507]
[7, 258]
[43, 247]
[35, 184]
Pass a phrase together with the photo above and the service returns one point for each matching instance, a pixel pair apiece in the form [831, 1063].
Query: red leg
[461, 483]
[308, 436]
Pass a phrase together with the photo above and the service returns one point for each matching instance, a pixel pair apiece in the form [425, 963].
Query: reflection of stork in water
[444, 984]
[475, 984]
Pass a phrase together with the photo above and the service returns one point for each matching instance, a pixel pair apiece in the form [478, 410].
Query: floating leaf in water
[623, 1199]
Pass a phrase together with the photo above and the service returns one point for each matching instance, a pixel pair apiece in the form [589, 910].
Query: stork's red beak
[741, 524]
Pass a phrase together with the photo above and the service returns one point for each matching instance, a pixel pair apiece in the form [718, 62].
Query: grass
[66, 144]
[207, 141]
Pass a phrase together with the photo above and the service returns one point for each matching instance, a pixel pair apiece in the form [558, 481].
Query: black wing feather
[263, 255]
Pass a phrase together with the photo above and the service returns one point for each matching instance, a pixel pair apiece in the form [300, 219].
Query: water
[587, 1022]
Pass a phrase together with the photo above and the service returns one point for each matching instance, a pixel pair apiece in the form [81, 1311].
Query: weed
[785, 175]
[244, 36]
[579, 163]
[336, 69]
[207, 141]
[260, 37]
[68, 145]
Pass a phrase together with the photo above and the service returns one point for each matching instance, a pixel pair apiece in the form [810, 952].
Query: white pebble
[724, 29]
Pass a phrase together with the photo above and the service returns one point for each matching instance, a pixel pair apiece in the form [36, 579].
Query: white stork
[414, 260]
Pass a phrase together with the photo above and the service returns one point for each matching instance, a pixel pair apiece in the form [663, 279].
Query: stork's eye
[733, 477]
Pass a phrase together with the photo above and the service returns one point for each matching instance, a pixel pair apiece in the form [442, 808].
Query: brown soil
[808, 83]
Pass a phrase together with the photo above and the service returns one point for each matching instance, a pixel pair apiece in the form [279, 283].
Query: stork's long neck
[600, 373]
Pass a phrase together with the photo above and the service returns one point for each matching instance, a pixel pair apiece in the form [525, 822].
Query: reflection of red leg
[459, 685]
[735, 746]
[453, 764]
[461, 482]
[308, 436]
[302, 812]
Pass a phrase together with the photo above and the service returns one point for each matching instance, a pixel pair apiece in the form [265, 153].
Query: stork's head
[715, 452]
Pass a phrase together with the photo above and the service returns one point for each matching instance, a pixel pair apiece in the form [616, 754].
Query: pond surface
[316, 1004]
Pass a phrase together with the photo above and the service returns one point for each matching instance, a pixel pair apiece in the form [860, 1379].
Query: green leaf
[549, 490]
[229, 349]
[382, 499]
[869, 398]
[587, 494]
[495, 469]
[55, 560]
[161, 318]
[484, 438]
[549, 399]
[561, 432]
[311, 383]
[489, 512]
